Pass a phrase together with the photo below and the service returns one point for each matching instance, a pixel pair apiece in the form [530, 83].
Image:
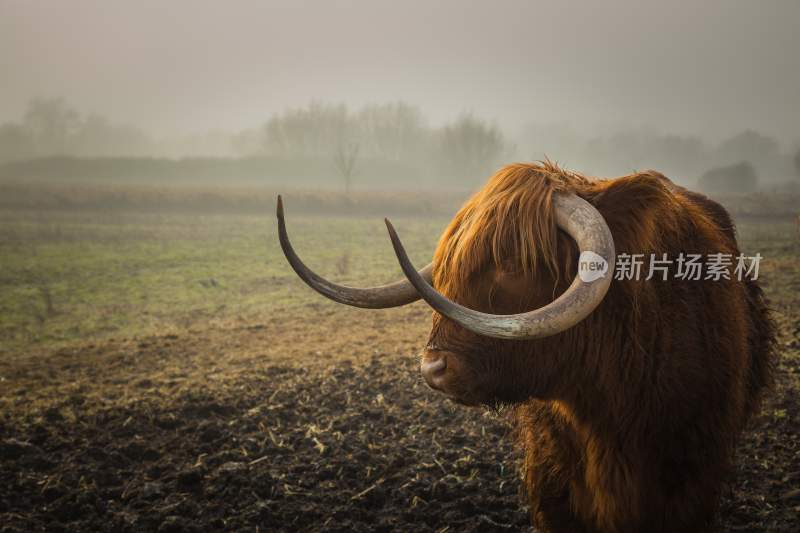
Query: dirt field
[283, 413]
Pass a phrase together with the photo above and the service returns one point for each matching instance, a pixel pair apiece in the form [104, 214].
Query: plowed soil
[335, 447]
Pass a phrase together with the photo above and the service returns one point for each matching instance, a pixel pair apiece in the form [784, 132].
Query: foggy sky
[712, 68]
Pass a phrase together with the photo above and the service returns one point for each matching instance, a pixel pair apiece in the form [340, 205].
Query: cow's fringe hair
[509, 224]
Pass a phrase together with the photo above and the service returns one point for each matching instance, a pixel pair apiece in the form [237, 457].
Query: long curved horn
[584, 224]
[392, 295]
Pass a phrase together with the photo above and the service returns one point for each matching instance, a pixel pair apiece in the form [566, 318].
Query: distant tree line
[683, 158]
[373, 147]
[374, 143]
[51, 127]
[464, 149]
[738, 178]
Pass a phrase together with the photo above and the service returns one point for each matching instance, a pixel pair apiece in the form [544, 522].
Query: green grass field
[67, 276]
[85, 276]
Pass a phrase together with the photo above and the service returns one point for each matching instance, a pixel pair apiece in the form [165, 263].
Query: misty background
[359, 96]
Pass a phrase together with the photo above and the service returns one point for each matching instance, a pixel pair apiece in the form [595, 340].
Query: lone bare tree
[345, 161]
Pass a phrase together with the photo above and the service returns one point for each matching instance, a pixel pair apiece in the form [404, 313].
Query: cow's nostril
[433, 368]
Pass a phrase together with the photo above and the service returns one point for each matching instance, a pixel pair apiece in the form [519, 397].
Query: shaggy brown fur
[629, 419]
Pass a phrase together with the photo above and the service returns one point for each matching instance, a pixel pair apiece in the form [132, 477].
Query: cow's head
[506, 286]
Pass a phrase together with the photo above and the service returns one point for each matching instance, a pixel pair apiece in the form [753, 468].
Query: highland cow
[628, 395]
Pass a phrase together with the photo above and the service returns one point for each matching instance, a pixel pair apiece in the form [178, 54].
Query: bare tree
[307, 132]
[739, 178]
[53, 124]
[471, 146]
[394, 130]
[345, 161]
